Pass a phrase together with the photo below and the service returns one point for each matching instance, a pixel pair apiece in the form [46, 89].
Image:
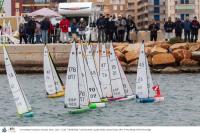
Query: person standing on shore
[130, 27]
[120, 23]
[74, 27]
[82, 29]
[107, 28]
[31, 30]
[22, 33]
[187, 29]
[194, 30]
[38, 32]
[169, 27]
[64, 26]
[178, 28]
[153, 28]
[45, 25]
[101, 28]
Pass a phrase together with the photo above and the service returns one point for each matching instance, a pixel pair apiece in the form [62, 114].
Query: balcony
[185, 7]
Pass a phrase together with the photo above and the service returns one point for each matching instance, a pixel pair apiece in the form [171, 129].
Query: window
[156, 2]
[157, 17]
[156, 10]
[184, 1]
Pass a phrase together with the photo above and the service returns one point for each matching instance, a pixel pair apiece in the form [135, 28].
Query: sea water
[180, 108]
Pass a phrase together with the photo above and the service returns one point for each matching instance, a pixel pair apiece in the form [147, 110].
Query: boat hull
[159, 99]
[79, 111]
[28, 114]
[104, 100]
[59, 94]
[127, 98]
[96, 105]
[145, 100]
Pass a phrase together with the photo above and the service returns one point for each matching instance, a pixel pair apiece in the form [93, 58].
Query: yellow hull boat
[59, 94]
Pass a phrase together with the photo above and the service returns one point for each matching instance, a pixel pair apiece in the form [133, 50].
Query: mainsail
[20, 99]
[104, 74]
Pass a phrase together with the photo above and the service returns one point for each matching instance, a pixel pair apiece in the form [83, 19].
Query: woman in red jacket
[64, 25]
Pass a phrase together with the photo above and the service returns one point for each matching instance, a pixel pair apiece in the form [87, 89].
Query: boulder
[163, 59]
[181, 54]
[128, 49]
[133, 63]
[147, 50]
[120, 55]
[188, 62]
[123, 63]
[120, 47]
[170, 70]
[196, 55]
[149, 59]
[179, 46]
[157, 50]
[164, 45]
[149, 44]
[194, 48]
[131, 56]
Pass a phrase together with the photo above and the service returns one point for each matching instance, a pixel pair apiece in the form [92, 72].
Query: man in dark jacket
[187, 29]
[101, 28]
[130, 26]
[153, 28]
[169, 27]
[45, 26]
[107, 28]
[178, 28]
[31, 25]
[195, 29]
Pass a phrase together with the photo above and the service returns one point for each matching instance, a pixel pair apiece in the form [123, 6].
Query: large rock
[133, 63]
[195, 47]
[163, 59]
[179, 46]
[170, 70]
[164, 45]
[188, 62]
[131, 56]
[128, 49]
[196, 55]
[120, 55]
[157, 50]
[181, 54]
[120, 47]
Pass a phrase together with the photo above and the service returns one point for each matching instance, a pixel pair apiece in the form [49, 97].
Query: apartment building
[148, 10]
[183, 8]
[25, 6]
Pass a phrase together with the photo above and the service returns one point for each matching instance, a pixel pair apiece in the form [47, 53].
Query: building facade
[25, 6]
[148, 10]
[183, 8]
[7, 7]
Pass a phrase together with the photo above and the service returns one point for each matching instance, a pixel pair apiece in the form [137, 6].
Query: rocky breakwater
[162, 56]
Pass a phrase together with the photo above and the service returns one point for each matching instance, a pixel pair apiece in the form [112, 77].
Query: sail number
[72, 76]
[72, 69]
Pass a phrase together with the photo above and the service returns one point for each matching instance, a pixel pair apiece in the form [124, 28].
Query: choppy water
[181, 107]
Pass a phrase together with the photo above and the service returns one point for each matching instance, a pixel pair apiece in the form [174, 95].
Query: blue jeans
[45, 36]
[38, 38]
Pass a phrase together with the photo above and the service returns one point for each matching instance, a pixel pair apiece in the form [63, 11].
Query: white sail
[149, 80]
[93, 93]
[96, 58]
[82, 62]
[48, 74]
[116, 81]
[141, 80]
[83, 93]
[57, 80]
[127, 88]
[72, 83]
[93, 71]
[20, 99]
[104, 74]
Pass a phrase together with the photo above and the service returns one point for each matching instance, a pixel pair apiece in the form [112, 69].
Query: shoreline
[28, 59]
